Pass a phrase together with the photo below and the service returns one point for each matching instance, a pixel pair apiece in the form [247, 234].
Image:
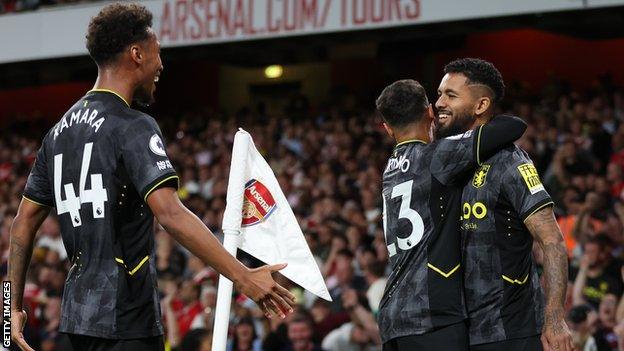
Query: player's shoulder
[452, 144]
[517, 156]
[518, 162]
[509, 156]
[135, 119]
[413, 150]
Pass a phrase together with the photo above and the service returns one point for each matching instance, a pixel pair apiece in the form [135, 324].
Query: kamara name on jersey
[78, 117]
[401, 162]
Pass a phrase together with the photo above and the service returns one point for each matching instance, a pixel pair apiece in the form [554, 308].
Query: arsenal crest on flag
[258, 203]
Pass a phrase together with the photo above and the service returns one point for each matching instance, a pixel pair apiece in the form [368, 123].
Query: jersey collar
[409, 142]
[111, 92]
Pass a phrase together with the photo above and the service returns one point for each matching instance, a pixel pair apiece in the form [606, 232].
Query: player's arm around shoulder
[544, 228]
[191, 232]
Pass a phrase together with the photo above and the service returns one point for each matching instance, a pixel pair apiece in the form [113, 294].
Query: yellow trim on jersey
[158, 184]
[112, 92]
[441, 272]
[35, 202]
[119, 260]
[409, 141]
[479, 143]
[135, 269]
[537, 209]
[516, 281]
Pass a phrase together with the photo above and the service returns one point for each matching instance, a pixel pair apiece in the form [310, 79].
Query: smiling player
[105, 169]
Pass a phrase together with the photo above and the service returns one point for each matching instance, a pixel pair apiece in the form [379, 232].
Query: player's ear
[430, 114]
[136, 53]
[388, 129]
[483, 104]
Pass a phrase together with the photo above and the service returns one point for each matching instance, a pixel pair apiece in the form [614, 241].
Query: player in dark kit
[422, 307]
[105, 169]
[504, 207]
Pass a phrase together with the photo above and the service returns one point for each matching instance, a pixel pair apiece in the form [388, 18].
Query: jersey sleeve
[145, 158]
[523, 188]
[38, 188]
[457, 155]
[453, 156]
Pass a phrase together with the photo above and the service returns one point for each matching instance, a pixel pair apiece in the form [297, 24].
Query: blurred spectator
[180, 307]
[245, 337]
[605, 334]
[325, 319]
[50, 237]
[349, 337]
[361, 333]
[196, 340]
[169, 256]
[376, 279]
[344, 278]
[593, 281]
[205, 320]
[28, 5]
[582, 321]
[186, 306]
[300, 334]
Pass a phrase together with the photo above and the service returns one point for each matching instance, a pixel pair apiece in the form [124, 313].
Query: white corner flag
[259, 220]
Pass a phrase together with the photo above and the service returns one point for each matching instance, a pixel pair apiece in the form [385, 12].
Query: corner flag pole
[224, 296]
[232, 218]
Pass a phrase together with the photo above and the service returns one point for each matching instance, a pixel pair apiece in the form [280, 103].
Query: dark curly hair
[114, 28]
[479, 72]
[402, 102]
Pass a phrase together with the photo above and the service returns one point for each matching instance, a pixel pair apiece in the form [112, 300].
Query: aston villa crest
[479, 177]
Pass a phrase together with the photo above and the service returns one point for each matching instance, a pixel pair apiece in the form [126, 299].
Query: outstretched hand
[258, 284]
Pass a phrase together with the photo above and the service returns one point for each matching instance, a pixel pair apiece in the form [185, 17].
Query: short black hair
[193, 339]
[116, 27]
[479, 71]
[402, 102]
[376, 268]
[303, 316]
[346, 253]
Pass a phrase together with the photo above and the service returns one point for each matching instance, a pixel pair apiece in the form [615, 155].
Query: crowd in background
[9, 6]
[329, 162]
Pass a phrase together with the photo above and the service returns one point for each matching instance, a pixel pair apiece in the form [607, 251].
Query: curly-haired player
[104, 168]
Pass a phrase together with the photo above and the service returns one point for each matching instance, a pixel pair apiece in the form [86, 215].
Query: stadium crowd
[329, 162]
[9, 6]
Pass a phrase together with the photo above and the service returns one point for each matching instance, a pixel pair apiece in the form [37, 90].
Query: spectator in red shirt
[180, 307]
[187, 307]
[615, 177]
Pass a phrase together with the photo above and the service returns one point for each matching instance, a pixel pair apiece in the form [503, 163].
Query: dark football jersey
[97, 166]
[503, 295]
[422, 186]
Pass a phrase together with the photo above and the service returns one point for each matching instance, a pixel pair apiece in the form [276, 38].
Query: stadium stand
[329, 162]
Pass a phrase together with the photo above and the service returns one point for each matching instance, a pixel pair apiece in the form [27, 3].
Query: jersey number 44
[72, 204]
